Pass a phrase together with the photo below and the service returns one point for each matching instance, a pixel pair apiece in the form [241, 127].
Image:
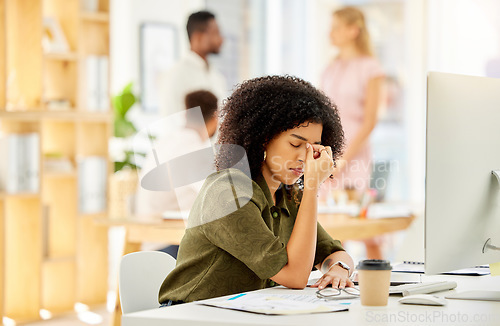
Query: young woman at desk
[257, 227]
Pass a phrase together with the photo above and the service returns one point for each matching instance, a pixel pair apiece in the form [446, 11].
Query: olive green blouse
[235, 239]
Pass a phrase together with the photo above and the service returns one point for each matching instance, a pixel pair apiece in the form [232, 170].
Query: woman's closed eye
[296, 146]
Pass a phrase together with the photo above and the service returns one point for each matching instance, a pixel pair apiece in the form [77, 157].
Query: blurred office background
[263, 37]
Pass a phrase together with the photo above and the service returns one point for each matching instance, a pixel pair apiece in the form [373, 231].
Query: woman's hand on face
[318, 166]
[336, 276]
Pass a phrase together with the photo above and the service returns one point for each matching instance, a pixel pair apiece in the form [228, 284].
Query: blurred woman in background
[354, 81]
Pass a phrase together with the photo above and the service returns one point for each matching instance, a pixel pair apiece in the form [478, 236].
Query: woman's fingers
[317, 147]
[310, 151]
[326, 152]
[329, 150]
[321, 164]
[315, 285]
[320, 150]
[327, 160]
[317, 150]
[323, 282]
[336, 282]
[342, 283]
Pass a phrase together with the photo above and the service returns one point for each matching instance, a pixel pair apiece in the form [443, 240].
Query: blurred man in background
[193, 71]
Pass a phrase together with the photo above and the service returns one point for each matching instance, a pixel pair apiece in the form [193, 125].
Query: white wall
[126, 18]
[463, 35]
[415, 104]
[319, 51]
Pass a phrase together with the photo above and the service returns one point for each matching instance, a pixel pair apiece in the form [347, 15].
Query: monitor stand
[476, 295]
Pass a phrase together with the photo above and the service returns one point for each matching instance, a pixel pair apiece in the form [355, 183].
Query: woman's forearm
[302, 244]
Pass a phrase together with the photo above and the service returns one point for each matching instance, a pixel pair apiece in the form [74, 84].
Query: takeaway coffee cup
[374, 277]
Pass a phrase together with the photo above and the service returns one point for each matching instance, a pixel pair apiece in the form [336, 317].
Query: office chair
[141, 275]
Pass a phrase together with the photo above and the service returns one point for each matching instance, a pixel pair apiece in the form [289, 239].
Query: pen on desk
[237, 296]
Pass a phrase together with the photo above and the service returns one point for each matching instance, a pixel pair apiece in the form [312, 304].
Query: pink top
[345, 82]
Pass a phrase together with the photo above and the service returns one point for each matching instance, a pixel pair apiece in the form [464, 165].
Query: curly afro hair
[262, 108]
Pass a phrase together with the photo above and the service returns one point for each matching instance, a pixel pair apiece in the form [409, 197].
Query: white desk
[457, 312]
[156, 229]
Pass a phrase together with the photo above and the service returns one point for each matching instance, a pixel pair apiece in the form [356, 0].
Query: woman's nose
[302, 156]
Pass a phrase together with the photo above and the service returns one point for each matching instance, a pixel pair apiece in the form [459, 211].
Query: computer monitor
[462, 195]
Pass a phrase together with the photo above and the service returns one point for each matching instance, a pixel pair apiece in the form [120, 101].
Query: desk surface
[156, 229]
[339, 226]
[456, 312]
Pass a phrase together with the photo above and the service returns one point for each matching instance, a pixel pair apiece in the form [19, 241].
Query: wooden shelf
[64, 254]
[100, 16]
[23, 238]
[3, 61]
[27, 195]
[72, 115]
[11, 112]
[92, 215]
[71, 56]
[55, 174]
[58, 284]
[63, 259]
[89, 138]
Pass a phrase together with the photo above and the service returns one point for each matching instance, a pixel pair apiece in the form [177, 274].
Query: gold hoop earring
[265, 155]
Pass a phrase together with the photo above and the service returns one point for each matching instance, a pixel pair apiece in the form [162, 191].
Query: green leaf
[123, 101]
[127, 101]
[119, 166]
[128, 88]
[124, 128]
[117, 105]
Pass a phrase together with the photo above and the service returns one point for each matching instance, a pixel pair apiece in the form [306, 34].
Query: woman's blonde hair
[353, 16]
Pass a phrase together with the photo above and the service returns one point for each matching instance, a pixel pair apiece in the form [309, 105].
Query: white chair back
[141, 275]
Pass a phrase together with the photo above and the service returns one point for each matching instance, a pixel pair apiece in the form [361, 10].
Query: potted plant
[124, 129]
[123, 182]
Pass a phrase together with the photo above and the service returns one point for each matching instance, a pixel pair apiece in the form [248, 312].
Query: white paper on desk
[387, 210]
[409, 268]
[420, 269]
[349, 209]
[396, 278]
[279, 304]
[473, 271]
[376, 210]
